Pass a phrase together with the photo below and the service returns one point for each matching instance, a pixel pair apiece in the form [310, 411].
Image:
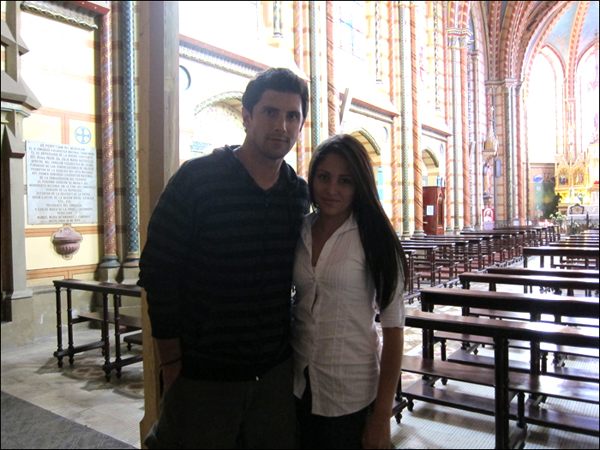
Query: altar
[577, 184]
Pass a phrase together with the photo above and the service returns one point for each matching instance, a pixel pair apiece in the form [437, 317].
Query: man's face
[273, 127]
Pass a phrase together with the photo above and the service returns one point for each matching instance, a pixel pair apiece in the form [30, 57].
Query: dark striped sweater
[217, 266]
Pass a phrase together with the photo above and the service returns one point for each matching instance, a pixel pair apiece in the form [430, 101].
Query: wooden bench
[470, 249]
[593, 274]
[588, 256]
[445, 256]
[528, 307]
[122, 323]
[425, 266]
[555, 283]
[502, 245]
[504, 382]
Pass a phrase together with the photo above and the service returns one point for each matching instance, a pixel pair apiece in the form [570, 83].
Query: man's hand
[170, 372]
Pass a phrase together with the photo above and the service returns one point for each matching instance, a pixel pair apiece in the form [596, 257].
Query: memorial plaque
[61, 184]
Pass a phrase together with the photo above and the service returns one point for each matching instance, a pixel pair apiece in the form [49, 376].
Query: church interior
[476, 115]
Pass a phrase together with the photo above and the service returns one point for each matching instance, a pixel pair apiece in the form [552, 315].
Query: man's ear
[246, 116]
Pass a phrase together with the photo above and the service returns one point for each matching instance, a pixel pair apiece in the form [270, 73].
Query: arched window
[350, 21]
[586, 92]
[544, 96]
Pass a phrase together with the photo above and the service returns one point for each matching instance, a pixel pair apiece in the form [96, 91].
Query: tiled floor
[80, 393]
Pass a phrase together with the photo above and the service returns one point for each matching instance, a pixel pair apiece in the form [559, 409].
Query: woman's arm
[377, 432]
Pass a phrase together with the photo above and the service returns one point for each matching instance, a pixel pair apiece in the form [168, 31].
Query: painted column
[456, 138]
[404, 117]
[416, 126]
[129, 136]
[521, 179]
[109, 261]
[378, 79]
[466, 158]
[277, 19]
[477, 152]
[302, 59]
[509, 150]
[315, 74]
[394, 44]
[333, 103]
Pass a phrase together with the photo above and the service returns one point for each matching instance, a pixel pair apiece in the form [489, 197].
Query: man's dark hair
[277, 79]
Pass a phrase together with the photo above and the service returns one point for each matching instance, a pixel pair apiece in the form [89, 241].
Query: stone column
[17, 103]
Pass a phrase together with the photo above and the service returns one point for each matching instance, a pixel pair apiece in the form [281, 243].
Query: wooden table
[121, 322]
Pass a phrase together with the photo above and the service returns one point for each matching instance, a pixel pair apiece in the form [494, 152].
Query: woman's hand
[377, 432]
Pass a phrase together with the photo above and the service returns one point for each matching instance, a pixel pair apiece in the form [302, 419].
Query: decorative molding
[365, 110]
[212, 58]
[224, 97]
[48, 232]
[62, 272]
[63, 12]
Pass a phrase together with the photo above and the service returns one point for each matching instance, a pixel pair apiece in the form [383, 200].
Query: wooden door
[433, 210]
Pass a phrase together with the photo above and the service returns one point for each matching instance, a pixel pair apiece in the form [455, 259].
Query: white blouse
[333, 322]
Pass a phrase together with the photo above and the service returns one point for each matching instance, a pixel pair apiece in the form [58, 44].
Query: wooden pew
[425, 265]
[577, 244]
[122, 323]
[579, 273]
[528, 307]
[589, 256]
[503, 381]
[472, 246]
[446, 256]
[556, 283]
[503, 245]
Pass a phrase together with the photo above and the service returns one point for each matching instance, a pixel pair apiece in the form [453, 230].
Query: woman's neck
[329, 224]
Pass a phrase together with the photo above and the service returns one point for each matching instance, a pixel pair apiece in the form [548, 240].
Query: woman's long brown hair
[383, 251]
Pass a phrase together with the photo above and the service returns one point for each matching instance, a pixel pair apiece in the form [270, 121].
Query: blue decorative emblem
[83, 135]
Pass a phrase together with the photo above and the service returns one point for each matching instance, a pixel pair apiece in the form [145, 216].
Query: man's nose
[280, 122]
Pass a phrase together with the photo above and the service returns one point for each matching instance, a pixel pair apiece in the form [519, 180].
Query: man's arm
[169, 351]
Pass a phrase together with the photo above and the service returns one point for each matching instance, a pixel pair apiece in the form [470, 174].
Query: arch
[231, 98]
[216, 118]
[539, 29]
[368, 141]
[431, 167]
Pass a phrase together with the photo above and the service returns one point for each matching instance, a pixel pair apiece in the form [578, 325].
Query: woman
[349, 266]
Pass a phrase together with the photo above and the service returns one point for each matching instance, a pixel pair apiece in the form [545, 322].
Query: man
[217, 267]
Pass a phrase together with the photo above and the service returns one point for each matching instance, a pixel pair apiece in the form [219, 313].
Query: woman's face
[334, 187]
